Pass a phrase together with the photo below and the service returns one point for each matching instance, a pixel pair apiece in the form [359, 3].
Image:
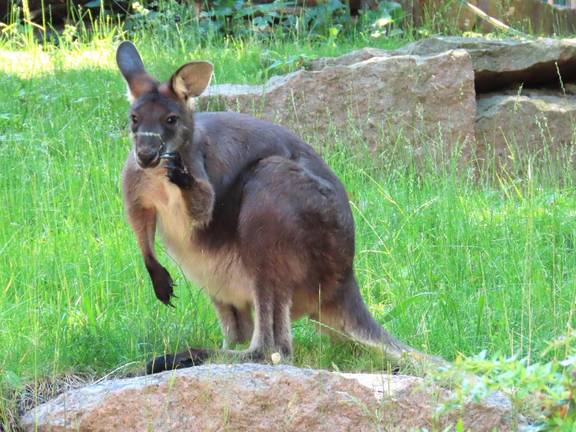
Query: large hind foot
[181, 360]
[196, 357]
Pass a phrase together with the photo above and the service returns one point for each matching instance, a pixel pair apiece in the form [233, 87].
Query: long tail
[358, 323]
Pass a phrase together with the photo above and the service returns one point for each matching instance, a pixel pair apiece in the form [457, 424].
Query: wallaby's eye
[134, 118]
[171, 119]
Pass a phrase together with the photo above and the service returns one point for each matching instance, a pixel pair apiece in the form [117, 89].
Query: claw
[169, 155]
[173, 158]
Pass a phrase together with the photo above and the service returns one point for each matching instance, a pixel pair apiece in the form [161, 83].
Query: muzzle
[149, 148]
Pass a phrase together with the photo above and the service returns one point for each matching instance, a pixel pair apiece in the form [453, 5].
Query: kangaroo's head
[160, 116]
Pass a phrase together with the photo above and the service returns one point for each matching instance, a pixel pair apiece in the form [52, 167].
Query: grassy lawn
[450, 263]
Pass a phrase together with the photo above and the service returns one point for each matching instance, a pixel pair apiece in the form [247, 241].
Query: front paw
[163, 285]
[176, 171]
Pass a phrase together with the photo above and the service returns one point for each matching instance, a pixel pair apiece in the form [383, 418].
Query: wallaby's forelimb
[196, 191]
[143, 221]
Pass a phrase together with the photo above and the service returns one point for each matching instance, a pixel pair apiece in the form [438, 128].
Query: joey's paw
[176, 171]
[163, 286]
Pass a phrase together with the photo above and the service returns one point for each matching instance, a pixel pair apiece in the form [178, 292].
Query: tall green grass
[448, 261]
[451, 263]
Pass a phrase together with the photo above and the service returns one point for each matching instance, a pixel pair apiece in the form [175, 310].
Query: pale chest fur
[221, 274]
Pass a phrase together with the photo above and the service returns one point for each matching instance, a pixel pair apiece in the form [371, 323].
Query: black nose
[147, 158]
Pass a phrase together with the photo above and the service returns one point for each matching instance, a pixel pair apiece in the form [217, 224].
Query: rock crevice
[500, 64]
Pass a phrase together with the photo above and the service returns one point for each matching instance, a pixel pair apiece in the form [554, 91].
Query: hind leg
[236, 323]
[271, 334]
[283, 327]
[245, 324]
[272, 330]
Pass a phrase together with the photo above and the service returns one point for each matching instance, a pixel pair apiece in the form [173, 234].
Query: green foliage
[543, 392]
[166, 19]
[450, 262]
[385, 20]
[242, 18]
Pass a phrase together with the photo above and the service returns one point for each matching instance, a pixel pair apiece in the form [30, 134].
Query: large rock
[533, 122]
[542, 117]
[501, 63]
[498, 64]
[348, 58]
[379, 97]
[383, 94]
[256, 398]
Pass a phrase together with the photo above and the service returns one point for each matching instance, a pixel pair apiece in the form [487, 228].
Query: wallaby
[250, 213]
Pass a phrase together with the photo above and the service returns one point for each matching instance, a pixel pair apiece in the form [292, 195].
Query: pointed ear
[191, 79]
[132, 69]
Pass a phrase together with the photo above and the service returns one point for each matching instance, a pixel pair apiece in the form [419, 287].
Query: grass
[448, 262]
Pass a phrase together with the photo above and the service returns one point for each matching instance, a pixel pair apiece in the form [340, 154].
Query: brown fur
[249, 211]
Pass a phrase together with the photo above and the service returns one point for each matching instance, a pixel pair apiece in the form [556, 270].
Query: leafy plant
[544, 392]
[385, 20]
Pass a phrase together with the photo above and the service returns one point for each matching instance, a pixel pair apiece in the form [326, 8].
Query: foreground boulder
[263, 398]
[377, 97]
